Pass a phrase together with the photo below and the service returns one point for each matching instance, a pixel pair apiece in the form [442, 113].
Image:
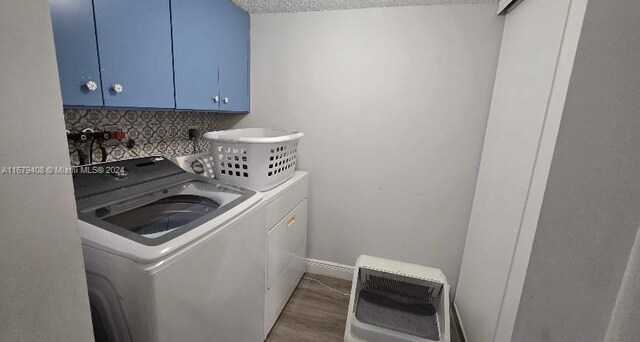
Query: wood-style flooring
[315, 313]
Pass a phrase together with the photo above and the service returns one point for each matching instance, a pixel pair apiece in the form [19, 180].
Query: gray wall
[43, 292]
[591, 207]
[394, 103]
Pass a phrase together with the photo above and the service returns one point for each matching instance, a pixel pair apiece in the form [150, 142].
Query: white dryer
[170, 255]
[286, 228]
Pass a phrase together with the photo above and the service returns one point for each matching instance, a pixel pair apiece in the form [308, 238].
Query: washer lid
[155, 217]
[164, 215]
[150, 200]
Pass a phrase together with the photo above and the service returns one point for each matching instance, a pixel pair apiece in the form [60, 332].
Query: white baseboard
[330, 269]
[464, 334]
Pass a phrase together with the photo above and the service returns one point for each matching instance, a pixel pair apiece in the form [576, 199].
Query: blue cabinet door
[134, 41]
[234, 58]
[77, 53]
[196, 28]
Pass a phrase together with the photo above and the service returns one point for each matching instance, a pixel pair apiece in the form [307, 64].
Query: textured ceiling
[273, 6]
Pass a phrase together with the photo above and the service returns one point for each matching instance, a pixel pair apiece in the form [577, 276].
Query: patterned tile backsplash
[163, 133]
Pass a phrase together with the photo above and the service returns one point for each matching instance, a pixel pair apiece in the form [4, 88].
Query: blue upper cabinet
[211, 55]
[134, 40]
[234, 59]
[196, 31]
[185, 54]
[77, 52]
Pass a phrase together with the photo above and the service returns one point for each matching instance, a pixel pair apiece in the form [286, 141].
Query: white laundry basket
[254, 158]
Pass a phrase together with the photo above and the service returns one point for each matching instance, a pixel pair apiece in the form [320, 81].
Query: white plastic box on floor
[393, 301]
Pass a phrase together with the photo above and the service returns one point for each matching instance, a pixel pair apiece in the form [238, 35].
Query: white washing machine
[170, 255]
[285, 229]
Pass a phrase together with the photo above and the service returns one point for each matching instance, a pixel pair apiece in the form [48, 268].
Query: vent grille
[421, 290]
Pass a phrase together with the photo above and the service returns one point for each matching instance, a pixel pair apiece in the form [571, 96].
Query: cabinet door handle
[216, 99]
[91, 85]
[225, 100]
[291, 221]
[117, 88]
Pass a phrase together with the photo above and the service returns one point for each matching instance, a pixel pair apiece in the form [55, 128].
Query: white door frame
[542, 166]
